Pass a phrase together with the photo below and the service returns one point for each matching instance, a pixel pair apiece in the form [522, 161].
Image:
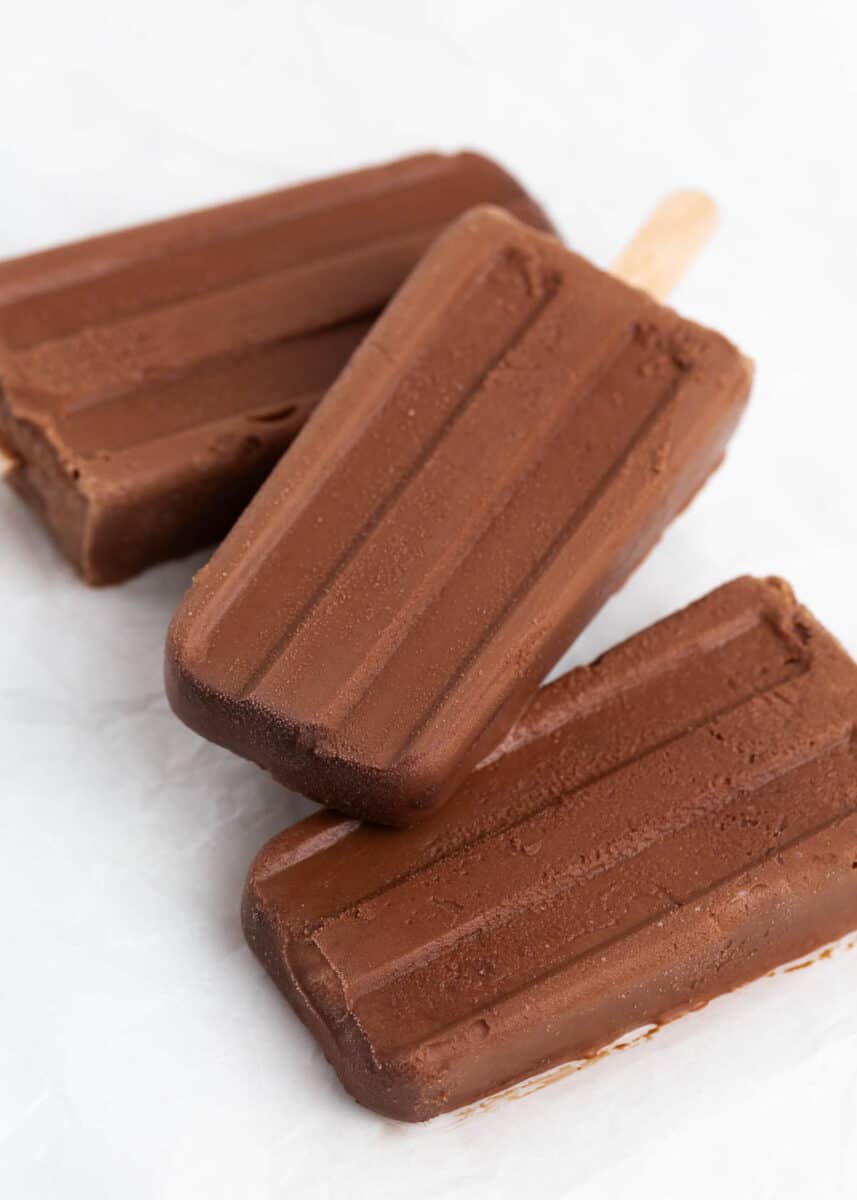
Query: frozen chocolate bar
[506, 446]
[663, 826]
[150, 379]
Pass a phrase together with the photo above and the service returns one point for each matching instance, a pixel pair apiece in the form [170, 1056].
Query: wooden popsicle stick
[659, 254]
[8, 463]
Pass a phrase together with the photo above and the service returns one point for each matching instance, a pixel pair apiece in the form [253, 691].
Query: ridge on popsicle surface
[151, 378]
[660, 827]
[508, 443]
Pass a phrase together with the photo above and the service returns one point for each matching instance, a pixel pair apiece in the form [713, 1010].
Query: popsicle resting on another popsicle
[150, 379]
[659, 828]
[505, 447]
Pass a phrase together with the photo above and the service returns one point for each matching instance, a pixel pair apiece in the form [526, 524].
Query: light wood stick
[8, 463]
[660, 253]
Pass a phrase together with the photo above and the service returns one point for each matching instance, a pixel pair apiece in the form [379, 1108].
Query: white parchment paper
[143, 1052]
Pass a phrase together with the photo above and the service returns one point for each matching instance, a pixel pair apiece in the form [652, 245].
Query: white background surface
[143, 1053]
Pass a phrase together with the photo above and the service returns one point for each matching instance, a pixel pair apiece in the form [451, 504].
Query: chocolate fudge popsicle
[663, 826]
[150, 379]
[506, 446]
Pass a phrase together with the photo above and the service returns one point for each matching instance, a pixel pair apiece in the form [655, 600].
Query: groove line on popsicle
[118, 358]
[494, 921]
[538, 725]
[249, 211]
[635, 930]
[553, 719]
[563, 535]
[167, 398]
[178, 273]
[517, 819]
[393, 637]
[273, 540]
[269, 661]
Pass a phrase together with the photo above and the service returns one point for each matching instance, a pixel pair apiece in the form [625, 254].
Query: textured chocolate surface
[150, 379]
[505, 447]
[661, 827]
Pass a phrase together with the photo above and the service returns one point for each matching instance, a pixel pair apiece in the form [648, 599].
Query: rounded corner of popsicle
[408, 793]
[251, 910]
[393, 1087]
[177, 677]
[184, 693]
